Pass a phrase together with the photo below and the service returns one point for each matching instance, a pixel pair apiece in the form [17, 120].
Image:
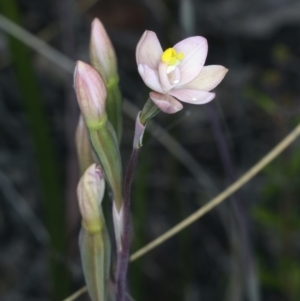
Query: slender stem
[77, 294]
[35, 43]
[241, 218]
[123, 257]
[253, 171]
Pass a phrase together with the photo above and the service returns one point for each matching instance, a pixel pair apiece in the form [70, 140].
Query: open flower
[178, 72]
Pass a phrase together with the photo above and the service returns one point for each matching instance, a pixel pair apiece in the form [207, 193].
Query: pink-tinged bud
[91, 93]
[102, 53]
[90, 192]
[84, 151]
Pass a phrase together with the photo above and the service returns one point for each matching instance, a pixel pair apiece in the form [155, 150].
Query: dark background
[246, 249]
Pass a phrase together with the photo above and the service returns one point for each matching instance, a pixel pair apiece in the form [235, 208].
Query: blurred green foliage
[277, 213]
[45, 155]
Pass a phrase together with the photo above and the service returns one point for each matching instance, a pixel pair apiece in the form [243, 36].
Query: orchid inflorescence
[174, 75]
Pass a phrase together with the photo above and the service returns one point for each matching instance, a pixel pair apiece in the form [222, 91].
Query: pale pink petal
[193, 96]
[195, 52]
[163, 77]
[174, 77]
[150, 77]
[166, 103]
[148, 50]
[208, 79]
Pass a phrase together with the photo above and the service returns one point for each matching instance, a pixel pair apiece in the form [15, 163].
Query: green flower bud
[94, 243]
[102, 53]
[103, 59]
[90, 193]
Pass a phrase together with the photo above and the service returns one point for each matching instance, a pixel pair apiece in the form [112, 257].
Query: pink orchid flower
[178, 72]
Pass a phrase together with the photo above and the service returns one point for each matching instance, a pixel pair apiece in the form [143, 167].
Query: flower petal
[166, 103]
[148, 50]
[208, 79]
[150, 77]
[194, 50]
[195, 97]
[174, 77]
[163, 77]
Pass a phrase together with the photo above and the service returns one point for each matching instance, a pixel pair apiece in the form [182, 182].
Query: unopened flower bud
[94, 242]
[91, 93]
[102, 53]
[103, 59]
[90, 192]
[84, 151]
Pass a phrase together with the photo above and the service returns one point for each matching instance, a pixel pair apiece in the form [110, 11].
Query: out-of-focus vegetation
[257, 106]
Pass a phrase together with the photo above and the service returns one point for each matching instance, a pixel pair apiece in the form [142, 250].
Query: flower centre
[172, 58]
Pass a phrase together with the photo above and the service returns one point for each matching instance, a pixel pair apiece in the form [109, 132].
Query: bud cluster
[98, 95]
